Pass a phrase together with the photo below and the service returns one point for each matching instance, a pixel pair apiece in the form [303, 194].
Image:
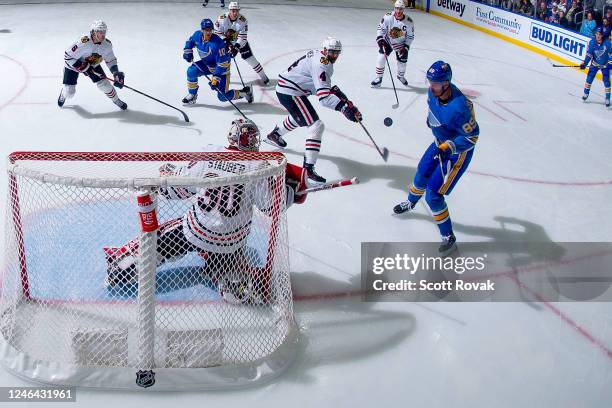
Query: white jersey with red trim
[220, 219]
[86, 50]
[234, 30]
[399, 33]
[309, 75]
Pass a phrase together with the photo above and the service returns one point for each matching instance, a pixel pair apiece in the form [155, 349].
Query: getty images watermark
[523, 271]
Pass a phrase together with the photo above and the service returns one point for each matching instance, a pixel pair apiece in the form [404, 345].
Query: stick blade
[385, 154]
[395, 106]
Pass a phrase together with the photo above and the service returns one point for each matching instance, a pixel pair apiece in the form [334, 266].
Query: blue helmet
[206, 24]
[439, 71]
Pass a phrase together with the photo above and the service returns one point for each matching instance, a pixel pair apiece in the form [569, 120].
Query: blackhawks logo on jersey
[231, 34]
[395, 32]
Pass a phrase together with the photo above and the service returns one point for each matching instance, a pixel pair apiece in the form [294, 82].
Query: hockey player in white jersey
[84, 57]
[233, 28]
[218, 222]
[395, 33]
[310, 75]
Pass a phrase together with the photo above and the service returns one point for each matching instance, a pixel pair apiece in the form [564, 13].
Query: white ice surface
[541, 166]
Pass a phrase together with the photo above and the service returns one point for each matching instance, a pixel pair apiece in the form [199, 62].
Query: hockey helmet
[206, 24]
[234, 6]
[98, 26]
[439, 71]
[399, 4]
[244, 135]
[332, 44]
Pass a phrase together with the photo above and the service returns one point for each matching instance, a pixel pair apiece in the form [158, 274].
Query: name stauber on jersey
[423, 284]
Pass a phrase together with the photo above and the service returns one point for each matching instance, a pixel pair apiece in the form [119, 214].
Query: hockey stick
[394, 106]
[230, 101]
[155, 99]
[239, 74]
[561, 66]
[330, 185]
[384, 153]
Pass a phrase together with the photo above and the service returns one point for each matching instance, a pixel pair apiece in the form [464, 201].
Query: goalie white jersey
[309, 75]
[86, 50]
[399, 33]
[220, 218]
[234, 31]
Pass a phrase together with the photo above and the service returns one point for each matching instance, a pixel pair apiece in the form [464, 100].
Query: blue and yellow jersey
[601, 54]
[453, 122]
[212, 52]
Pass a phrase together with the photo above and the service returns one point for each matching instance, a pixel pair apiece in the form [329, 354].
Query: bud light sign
[562, 41]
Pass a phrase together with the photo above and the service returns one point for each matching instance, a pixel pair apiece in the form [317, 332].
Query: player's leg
[224, 93]
[442, 182]
[605, 72]
[195, 70]
[247, 54]
[402, 59]
[425, 169]
[589, 80]
[121, 261]
[291, 122]
[381, 64]
[69, 86]
[98, 77]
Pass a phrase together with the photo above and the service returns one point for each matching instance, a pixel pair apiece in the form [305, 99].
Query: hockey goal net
[137, 270]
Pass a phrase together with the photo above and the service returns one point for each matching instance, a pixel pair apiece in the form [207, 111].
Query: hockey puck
[388, 122]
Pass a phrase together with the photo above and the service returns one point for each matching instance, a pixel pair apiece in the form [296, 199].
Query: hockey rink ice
[541, 172]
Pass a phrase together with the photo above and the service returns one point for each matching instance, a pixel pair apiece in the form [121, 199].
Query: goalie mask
[244, 135]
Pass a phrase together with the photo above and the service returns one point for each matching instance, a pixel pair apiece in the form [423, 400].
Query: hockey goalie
[217, 224]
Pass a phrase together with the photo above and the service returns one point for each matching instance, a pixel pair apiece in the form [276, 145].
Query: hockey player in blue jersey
[215, 61]
[453, 123]
[599, 54]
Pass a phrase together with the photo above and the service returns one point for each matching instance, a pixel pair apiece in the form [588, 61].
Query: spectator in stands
[526, 8]
[606, 25]
[506, 5]
[589, 5]
[554, 14]
[571, 13]
[588, 25]
[543, 12]
[563, 20]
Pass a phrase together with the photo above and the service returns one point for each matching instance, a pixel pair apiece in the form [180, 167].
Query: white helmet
[234, 6]
[333, 44]
[98, 26]
[244, 135]
[399, 4]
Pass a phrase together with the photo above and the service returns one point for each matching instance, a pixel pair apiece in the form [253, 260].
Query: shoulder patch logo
[324, 61]
[84, 39]
[241, 18]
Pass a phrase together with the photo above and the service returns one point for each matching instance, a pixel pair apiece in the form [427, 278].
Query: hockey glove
[167, 169]
[444, 151]
[383, 46]
[214, 81]
[233, 50]
[402, 54]
[119, 79]
[351, 112]
[188, 55]
[92, 74]
[582, 66]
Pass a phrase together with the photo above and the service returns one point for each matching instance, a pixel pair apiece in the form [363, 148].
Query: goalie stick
[330, 185]
[149, 96]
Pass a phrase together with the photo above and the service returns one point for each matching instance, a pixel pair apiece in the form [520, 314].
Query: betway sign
[456, 6]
